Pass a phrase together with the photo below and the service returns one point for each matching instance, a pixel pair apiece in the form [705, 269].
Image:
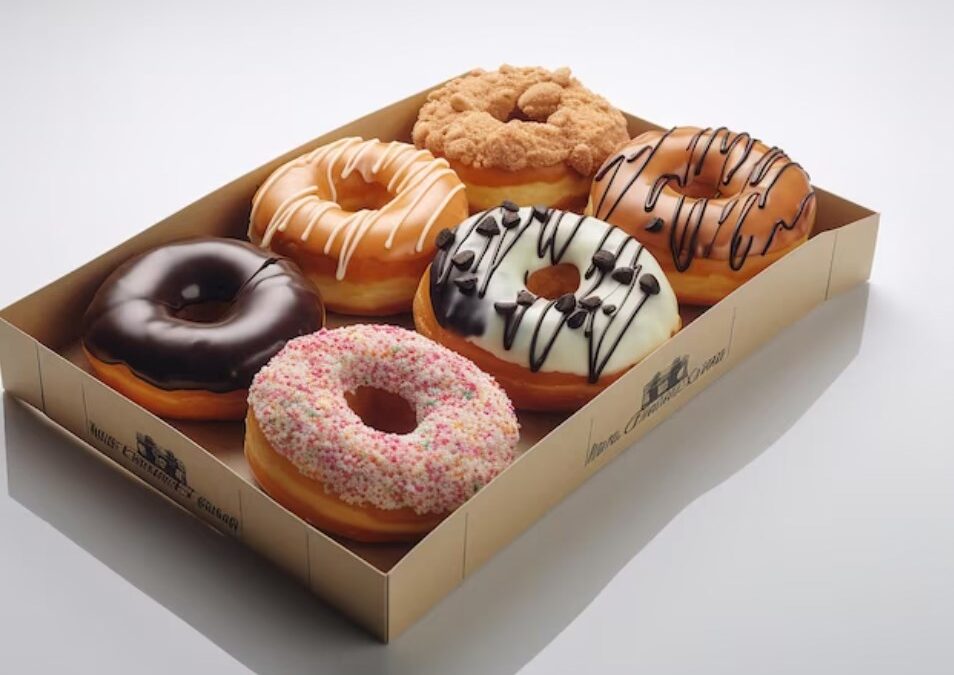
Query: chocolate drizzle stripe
[636, 175]
[592, 268]
[595, 348]
[782, 225]
[617, 254]
[537, 362]
[496, 261]
[749, 144]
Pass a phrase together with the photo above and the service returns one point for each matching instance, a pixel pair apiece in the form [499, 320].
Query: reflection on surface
[501, 616]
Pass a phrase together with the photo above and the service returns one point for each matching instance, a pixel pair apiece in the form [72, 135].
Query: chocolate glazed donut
[147, 318]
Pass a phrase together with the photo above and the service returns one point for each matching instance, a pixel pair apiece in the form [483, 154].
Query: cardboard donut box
[386, 588]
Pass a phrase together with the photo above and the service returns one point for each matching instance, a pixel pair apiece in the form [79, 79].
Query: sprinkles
[466, 427]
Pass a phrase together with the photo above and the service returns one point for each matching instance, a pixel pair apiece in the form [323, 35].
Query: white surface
[796, 517]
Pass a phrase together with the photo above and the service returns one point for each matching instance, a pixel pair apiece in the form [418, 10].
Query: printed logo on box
[161, 468]
[661, 388]
[160, 463]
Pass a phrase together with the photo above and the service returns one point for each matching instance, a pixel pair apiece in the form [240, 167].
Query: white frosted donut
[623, 309]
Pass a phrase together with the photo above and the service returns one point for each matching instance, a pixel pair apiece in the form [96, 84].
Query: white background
[798, 516]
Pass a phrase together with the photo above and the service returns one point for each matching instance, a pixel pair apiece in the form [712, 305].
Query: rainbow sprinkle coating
[466, 431]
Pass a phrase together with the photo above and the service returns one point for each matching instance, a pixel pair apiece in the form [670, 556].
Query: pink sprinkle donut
[465, 435]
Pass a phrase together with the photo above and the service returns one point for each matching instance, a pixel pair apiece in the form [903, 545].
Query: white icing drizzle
[409, 174]
[351, 163]
[344, 224]
[266, 186]
[438, 211]
[321, 208]
[392, 184]
[314, 155]
[333, 159]
[285, 211]
[423, 190]
[385, 158]
[352, 239]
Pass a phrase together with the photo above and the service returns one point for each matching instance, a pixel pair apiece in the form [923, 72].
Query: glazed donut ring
[141, 339]
[714, 206]
[549, 353]
[359, 217]
[525, 134]
[312, 452]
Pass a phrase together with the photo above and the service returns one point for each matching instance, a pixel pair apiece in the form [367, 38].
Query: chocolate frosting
[134, 316]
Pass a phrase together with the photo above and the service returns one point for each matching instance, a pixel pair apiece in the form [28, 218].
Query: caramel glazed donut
[181, 329]
[715, 207]
[310, 450]
[524, 134]
[359, 217]
[549, 353]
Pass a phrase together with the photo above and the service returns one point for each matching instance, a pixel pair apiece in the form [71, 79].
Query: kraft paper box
[386, 588]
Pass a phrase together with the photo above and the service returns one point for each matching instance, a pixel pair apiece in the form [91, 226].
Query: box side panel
[853, 255]
[657, 387]
[63, 392]
[157, 453]
[429, 572]
[781, 294]
[348, 583]
[273, 532]
[97, 454]
[529, 487]
[20, 365]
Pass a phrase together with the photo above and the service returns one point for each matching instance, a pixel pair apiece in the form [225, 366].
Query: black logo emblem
[161, 458]
[160, 464]
[666, 380]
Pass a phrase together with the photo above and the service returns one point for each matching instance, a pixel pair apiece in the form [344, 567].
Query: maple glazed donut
[441, 430]
[359, 217]
[181, 329]
[715, 207]
[554, 305]
[525, 134]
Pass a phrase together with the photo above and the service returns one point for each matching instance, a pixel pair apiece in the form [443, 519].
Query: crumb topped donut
[525, 134]
[310, 449]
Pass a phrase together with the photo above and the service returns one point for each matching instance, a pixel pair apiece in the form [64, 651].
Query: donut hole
[520, 116]
[206, 311]
[354, 193]
[698, 188]
[382, 410]
[553, 281]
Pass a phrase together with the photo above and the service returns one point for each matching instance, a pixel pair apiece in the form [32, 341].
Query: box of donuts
[379, 358]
